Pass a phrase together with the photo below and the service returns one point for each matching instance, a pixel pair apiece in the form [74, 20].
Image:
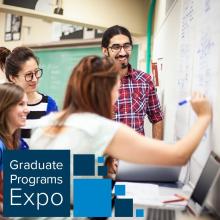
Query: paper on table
[142, 193]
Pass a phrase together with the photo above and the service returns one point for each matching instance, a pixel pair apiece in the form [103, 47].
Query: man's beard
[123, 65]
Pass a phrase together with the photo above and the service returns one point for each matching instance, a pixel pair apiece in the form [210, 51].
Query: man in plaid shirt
[137, 94]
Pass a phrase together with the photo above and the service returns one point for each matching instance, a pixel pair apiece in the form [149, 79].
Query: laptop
[199, 195]
[145, 173]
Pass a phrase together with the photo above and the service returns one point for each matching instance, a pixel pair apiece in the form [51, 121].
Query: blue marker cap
[187, 99]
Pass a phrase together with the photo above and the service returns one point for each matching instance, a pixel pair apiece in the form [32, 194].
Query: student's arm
[157, 130]
[130, 146]
[154, 112]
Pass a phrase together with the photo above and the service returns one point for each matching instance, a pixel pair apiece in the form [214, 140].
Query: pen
[184, 101]
[180, 199]
[180, 196]
[173, 200]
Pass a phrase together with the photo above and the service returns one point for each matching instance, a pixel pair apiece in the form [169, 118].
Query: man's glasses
[30, 75]
[115, 48]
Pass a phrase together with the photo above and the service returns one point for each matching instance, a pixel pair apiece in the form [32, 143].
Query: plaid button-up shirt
[137, 98]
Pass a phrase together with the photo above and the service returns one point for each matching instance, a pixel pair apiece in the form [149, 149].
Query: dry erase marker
[187, 99]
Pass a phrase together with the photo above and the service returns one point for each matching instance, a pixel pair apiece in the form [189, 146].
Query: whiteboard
[199, 70]
[188, 44]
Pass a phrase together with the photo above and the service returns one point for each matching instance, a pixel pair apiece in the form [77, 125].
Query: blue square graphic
[102, 170]
[36, 183]
[124, 208]
[101, 159]
[119, 190]
[92, 197]
[84, 165]
[139, 213]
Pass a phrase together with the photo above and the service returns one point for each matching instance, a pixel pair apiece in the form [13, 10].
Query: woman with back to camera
[85, 126]
[13, 114]
[22, 68]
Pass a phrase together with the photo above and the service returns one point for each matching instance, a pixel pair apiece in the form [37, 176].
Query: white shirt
[84, 133]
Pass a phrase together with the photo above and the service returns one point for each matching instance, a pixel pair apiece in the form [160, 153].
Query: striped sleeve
[36, 112]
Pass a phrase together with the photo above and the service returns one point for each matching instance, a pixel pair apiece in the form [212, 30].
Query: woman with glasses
[22, 68]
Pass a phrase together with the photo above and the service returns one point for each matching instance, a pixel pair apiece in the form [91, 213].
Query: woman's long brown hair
[89, 87]
[10, 95]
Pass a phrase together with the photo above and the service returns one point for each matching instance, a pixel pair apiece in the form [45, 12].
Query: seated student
[85, 126]
[4, 52]
[13, 114]
[22, 68]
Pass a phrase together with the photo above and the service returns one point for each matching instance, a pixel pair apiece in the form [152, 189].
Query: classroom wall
[159, 15]
[164, 52]
[38, 32]
[97, 13]
[130, 13]
[34, 31]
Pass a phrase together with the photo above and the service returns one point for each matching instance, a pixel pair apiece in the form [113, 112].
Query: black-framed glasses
[115, 48]
[30, 75]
